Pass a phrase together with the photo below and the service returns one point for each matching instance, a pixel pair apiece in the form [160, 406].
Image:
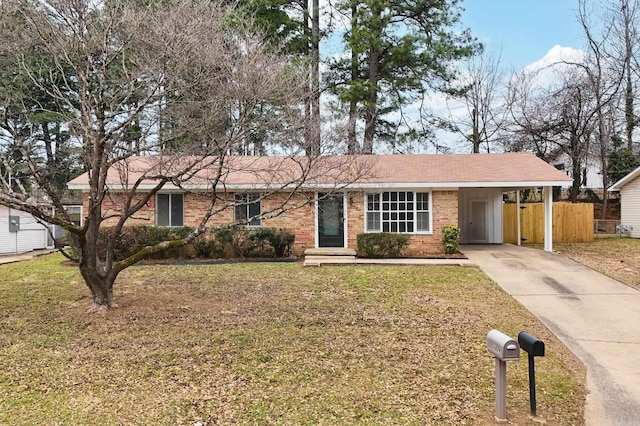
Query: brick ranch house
[413, 194]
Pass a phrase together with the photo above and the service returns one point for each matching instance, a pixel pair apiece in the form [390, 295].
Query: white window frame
[257, 223]
[379, 210]
[171, 195]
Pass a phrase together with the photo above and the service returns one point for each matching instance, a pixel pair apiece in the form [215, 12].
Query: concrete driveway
[597, 317]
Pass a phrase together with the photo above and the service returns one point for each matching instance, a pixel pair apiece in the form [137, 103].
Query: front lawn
[269, 343]
[615, 256]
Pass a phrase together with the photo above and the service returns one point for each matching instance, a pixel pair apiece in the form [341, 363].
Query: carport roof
[470, 170]
[506, 170]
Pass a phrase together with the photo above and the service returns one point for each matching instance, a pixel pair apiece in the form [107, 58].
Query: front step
[329, 256]
[329, 260]
[338, 251]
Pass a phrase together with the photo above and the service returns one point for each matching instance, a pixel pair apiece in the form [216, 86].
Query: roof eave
[357, 186]
[625, 180]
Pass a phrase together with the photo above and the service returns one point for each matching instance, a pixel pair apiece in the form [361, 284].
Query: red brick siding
[301, 220]
[444, 210]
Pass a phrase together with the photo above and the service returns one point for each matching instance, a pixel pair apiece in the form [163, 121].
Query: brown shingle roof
[441, 170]
[469, 168]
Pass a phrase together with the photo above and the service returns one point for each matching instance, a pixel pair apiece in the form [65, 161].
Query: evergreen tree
[399, 51]
[621, 160]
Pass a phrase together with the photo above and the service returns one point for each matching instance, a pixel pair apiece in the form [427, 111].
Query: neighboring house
[413, 194]
[629, 188]
[590, 173]
[20, 232]
[75, 214]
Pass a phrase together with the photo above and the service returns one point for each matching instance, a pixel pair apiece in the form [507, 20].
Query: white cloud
[557, 55]
[551, 66]
[547, 71]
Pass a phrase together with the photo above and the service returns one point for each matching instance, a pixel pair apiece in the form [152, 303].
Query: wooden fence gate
[572, 223]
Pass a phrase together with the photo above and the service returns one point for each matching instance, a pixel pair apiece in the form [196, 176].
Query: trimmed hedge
[134, 238]
[451, 239]
[382, 244]
[230, 242]
[238, 241]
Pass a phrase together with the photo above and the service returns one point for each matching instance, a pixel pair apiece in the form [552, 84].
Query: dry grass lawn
[616, 257]
[269, 343]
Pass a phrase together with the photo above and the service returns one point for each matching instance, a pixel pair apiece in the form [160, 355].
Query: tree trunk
[371, 110]
[97, 275]
[629, 107]
[577, 179]
[315, 77]
[101, 288]
[375, 56]
[476, 133]
[352, 143]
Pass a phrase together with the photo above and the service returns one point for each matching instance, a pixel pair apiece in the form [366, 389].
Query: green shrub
[382, 244]
[260, 238]
[451, 239]
[238, 241]
[206, 247]
[133, 238]
[158, 234]
[281, 240]
[228, 241]
[224, 235]
[234, 241]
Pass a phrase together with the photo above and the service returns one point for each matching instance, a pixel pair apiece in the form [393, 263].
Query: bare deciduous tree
[623, 18]
[555, 119]
[482, 82]
[174, 72]
[605, 76]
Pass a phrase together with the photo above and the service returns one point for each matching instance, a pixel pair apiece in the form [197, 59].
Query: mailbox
[534, 348]
[502, 346]
[531, 344]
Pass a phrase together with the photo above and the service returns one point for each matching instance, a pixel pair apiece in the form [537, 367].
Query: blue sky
[525, 30]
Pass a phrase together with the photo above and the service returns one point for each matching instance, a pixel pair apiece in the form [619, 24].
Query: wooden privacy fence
[572, 223]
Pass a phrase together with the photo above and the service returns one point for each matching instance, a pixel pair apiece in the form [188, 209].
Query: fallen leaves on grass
[269, 344]
[616, 257]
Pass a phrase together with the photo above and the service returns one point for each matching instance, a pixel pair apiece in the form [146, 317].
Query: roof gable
[625, 180]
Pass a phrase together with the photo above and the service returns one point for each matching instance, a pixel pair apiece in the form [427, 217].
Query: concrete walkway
[12, 258]
[597, 317]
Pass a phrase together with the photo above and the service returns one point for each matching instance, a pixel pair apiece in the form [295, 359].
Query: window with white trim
[398, 211]
[169, 210]
[248, 206]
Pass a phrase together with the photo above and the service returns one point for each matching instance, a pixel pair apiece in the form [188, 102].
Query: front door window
[331, 220]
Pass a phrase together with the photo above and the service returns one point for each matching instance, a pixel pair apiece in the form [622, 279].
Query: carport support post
[548, 218]
[518, 217]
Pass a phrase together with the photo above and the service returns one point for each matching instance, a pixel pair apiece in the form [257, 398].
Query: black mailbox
[530, 344]
[534, 348]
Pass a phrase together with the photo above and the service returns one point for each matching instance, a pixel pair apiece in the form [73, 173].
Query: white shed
[20, 232]
[629, 188]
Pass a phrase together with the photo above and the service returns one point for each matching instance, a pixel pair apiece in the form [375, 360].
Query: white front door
[478, 222]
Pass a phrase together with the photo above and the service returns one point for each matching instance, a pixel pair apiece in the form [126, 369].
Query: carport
[480, 215]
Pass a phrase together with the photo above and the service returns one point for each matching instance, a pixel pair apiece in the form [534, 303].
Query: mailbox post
[534, 347]
[504, 348]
